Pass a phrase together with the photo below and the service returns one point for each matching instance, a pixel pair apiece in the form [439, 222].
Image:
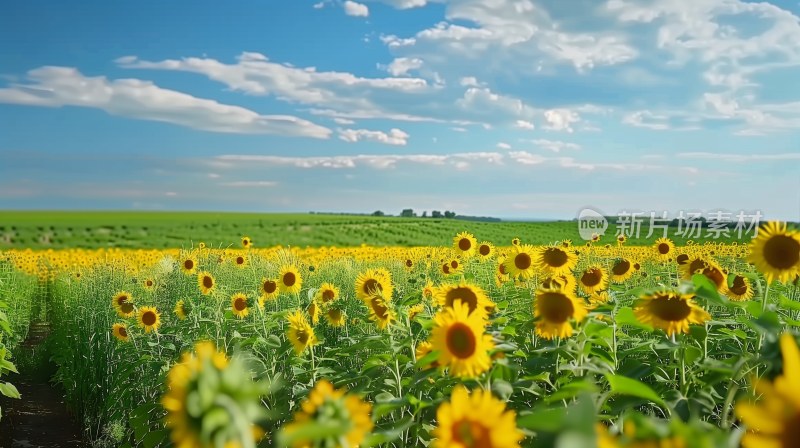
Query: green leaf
[625, 316]
[9, 390]
[547, 420]
[629, 386]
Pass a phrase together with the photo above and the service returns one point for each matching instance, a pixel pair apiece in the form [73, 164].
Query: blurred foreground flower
[212, 401]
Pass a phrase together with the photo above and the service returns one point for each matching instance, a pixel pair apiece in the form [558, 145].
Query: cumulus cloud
[394, 137]
[401, 66]
[503, 145]
[560, 119]
[66, 86]
[355, 9]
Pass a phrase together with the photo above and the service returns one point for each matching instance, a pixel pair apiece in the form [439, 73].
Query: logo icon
[591, 222]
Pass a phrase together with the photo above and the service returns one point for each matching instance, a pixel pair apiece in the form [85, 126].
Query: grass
[68, 229]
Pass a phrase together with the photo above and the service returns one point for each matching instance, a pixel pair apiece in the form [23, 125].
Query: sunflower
[595, 237]
[226, 388]
[300, 333]
[714, 273]
[120, 331]
[593, 279]
[471, 295]
[553, 309]
[664, 248]
[289, 279]
[740, 289]
[201, 245]
[775, 421]
[240, 260]
[206, 283]
[409, 264]
[428, 291]
[380, 311]
[313, 312]
[621, 238]
[565, 282]
[566, 244]
[459, 338]
[464, 244]
[149, 319]
[327, 293]
[329, 407]
[475, 420]
[554, 260]
[269, 290]
[335, 317]
[422, 350]
[123, 304]
[189, 265]
[485, 250]
[246, 242]
[776, 252]
[180, 310]
[149, 283]
[694, 266]
[446, 269]
[682, 259]
[372, 282]
[621, 270]
[519, 263]
[239, 305]
[515, 241]
[670, 311]
[415, 311]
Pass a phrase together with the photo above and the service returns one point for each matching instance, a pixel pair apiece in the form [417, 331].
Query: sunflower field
[467, 344]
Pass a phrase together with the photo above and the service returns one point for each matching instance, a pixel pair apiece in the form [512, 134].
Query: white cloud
[319, 5]
[740, 158]
[65, 86]
[249, 184]
[485, 102]
[469, 81]
[401, 66]
[343, 121]
[560, 119]
[383, 161]
[523, 124]
[213, 176]
[393, 137]
[555, 145]
[255, 74]
[503, 145]
[354, 9]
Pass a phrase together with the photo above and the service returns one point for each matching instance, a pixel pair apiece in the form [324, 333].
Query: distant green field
[57, 230]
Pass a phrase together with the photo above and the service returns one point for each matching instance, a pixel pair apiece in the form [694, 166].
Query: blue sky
[510, 108]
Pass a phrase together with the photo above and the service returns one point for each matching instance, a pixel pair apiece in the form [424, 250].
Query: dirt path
[40, 419]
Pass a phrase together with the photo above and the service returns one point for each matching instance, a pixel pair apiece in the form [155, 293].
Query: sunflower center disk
[621, 268]
[466, 295]
[791, 431]
[149, 318]
[782, 252]
[188, 264]
[663, 248]
[327, 295]
[522, 261]
[240, 304]
[471, 434]
[372, 286]
[126, 307]
[739, 287]
[270, 287]
[484, 250]
[207, 282]
[591, 278]
[464, 244]
[556, 307]
[289, 279]
[461, 340]
[555, 257]
[670, 309]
